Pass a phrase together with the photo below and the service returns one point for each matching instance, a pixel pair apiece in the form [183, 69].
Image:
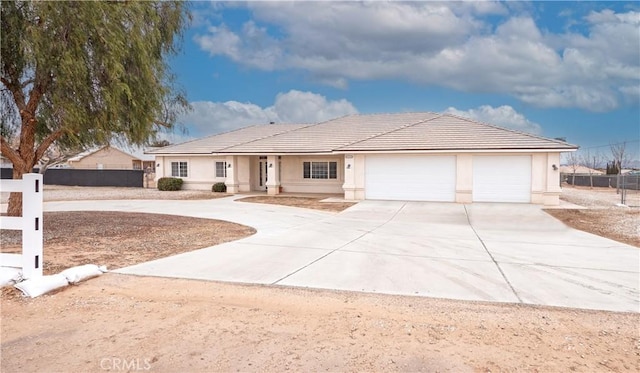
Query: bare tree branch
[620, 157]
[574, 163]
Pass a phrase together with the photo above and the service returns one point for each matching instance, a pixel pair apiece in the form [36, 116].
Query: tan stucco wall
[545, 188]
[106, 158]
[292, 180]
[239, 174]
[201, 170]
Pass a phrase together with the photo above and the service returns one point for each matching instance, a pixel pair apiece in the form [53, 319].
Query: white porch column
[273, 175]
[232, 174]
[159, 167]
[354, 177]
[349, 185]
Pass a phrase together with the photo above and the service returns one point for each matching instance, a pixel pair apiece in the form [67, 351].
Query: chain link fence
[623, 183]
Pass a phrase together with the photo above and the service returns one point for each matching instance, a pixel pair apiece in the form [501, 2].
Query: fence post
[32, 192]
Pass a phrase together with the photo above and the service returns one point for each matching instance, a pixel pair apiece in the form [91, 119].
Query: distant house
[580, 170]
[112, 158]
[405, 156]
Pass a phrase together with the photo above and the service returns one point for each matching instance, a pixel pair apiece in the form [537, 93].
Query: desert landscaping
[130, 323]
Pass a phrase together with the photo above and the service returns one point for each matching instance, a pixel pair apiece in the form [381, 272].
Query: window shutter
[306, 173]
[333, 170]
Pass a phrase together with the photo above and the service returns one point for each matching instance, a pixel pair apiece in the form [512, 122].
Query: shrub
[219, 188]
[169, 183]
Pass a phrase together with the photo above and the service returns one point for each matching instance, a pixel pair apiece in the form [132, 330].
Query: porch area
[291, 175]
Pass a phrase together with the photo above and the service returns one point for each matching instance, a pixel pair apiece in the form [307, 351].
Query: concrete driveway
[483, 252]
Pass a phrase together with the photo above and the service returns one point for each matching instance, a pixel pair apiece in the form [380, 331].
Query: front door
[262, 173]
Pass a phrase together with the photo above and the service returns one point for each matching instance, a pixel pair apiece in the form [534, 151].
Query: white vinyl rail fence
[30, 223]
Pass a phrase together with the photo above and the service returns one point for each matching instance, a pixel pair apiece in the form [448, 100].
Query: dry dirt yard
[118, 239]
[602, 215]
[304, 202]
[129, 323]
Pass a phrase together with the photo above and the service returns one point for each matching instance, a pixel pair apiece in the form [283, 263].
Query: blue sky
[558, 69]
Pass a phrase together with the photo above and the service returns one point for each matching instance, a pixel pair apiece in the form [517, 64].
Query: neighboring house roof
[369, 132]
[580, 170]
[84, 154]
[216, 143]
[139, 153]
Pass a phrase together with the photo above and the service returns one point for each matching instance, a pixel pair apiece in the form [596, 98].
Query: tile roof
[580, 170]
[216, 143]
[333, 134]
[369, 132]
[450, 132]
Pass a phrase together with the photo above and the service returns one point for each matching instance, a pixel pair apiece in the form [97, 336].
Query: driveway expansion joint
[491, 256]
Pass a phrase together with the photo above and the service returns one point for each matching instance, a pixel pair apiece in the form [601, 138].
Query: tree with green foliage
[80, 74]
[613, 168]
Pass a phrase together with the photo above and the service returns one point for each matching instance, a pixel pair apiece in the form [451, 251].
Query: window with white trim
[320, 170]
[179, 169]
[221, 169]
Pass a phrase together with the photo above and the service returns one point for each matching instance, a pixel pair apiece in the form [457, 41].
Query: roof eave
[459, 150]
[183, 154]
[313, 152]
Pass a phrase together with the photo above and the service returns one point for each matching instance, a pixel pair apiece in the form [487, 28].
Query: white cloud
[503, 116]
[306, 107]
[291, 107]
[220, 40]
[445, 44]
[253, 47]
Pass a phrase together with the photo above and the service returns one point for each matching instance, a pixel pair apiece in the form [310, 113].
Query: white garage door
[502, 178]
[411, 178]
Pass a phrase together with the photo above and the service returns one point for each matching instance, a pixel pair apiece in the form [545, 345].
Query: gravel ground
[598, 197]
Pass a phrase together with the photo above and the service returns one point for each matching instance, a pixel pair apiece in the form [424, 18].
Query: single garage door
[502, 178]
[411, 178]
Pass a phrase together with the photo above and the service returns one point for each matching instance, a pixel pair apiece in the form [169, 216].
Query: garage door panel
[414, 178]
[502, 179]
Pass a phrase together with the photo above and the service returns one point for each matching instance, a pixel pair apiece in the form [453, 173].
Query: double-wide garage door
[411, 178]
[433, 178]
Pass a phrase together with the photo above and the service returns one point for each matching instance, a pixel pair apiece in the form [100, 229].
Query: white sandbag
[36, 286]
[83, 272]
[9, 276]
